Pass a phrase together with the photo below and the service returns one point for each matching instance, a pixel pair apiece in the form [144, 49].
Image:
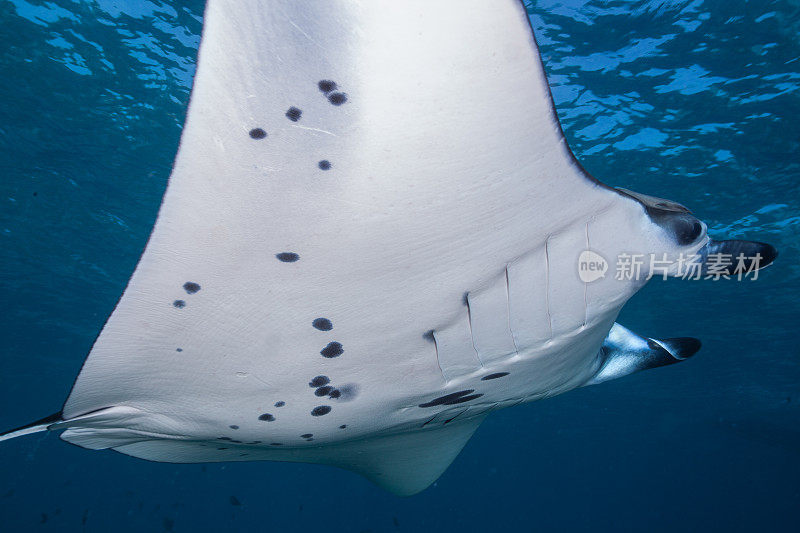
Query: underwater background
[695, 101]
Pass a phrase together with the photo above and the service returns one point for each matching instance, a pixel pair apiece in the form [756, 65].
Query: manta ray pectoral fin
[625, 352]
[402, 463]
[406, 463]
[43, 424]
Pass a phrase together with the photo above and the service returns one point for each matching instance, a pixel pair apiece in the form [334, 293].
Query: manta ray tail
[34, 427]
[624, 352]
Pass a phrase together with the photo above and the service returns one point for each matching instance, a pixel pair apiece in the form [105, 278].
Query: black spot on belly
[326, 86]
[191, 287]
[452, 399]
[276, 444]
[494, 376]
[224, 438]
[335, 393]
[322, 391]
[293, 114]
[428, 336]
[343, 426]
[257, 133]
[280, 404]
[324, 164]
[333, 349]
[348, 392]
[306, 435]
[321, 410]
[319, 381]
[322, 324]
[465, 399]
[180, 304]
[337, 98]
[287, 257]
[178, 349]
[234, 427]
[222, 448]
[267, 417]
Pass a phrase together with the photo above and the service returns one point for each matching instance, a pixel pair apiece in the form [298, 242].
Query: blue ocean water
[692, 100]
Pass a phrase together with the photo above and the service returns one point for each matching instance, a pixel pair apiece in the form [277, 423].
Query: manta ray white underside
[369, 241]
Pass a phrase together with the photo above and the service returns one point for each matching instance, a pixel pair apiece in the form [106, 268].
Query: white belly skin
[536, 306]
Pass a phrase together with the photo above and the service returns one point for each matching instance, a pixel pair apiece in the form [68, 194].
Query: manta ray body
[370, 240]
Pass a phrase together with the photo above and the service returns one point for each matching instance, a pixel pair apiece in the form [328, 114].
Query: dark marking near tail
[454, 417]
[494, 376]
[465, 399]
[428, 336]
[348, 392]
[453, 398]
[431, 419]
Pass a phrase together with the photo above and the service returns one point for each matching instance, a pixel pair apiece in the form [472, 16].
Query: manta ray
[374, 235]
